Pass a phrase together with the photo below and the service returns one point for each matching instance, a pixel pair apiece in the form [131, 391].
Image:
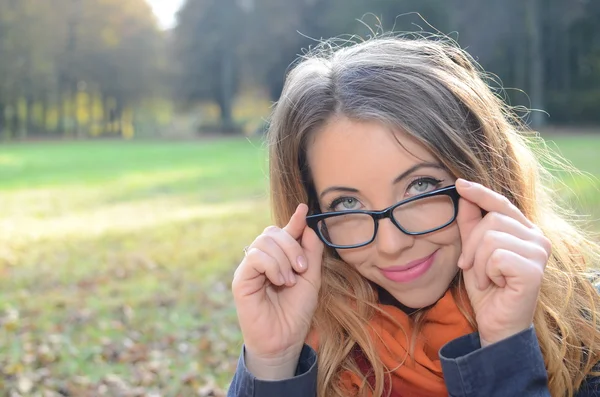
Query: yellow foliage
[110, 37]
[82, 99]
[251, 108]
[127, 128]
[96, 129]
[52, 117]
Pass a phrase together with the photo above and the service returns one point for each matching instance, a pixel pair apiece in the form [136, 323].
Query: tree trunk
[536, 65]
[29, 125]
[520, 58]
[11, 124]
[91, 121]
[44, 114]
[4, 132]
[119, 117]
[75, 110]
[226, 91]
[16, 121]
[106, 115]
[226, 94]
[565, 59]
[62, 112]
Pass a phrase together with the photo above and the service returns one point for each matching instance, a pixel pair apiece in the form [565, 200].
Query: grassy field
[116, 259]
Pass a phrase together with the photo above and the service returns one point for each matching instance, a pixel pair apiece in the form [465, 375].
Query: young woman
[418, 249]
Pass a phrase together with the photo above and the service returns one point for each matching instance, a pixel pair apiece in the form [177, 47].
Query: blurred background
[133, 171]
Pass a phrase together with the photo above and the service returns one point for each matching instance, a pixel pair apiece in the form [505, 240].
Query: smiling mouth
[409, 265]
[410, 271]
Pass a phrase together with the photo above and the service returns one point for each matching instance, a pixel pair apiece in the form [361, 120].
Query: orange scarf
[419, 375]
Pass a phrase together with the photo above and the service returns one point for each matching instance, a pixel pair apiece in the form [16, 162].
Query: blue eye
[344, 204]
[422, 185]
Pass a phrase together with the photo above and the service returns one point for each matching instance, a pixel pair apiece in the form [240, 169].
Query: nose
[390, 240]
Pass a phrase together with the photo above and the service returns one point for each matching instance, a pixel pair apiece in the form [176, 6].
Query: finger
[289, 247]
[271, 246]
[494, 240]
[313, 249]
[250, 275]
[468, 217]
[501, 223]
[515, 272]
[489, 200]
[295, 226]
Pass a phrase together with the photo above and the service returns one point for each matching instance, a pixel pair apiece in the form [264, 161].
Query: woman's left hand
[503, 260]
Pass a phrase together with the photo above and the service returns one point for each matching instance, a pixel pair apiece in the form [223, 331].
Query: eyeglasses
[415, 216]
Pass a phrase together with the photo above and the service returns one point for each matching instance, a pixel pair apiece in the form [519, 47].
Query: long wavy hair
[434, 91]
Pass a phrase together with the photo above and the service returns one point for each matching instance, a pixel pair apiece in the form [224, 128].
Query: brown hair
[434, 91]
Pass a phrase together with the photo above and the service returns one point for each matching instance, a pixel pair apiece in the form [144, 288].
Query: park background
[133, 169]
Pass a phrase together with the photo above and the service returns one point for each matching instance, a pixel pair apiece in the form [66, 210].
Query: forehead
[356, 153]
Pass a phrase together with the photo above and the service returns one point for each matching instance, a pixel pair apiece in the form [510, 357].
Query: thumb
[295, 227]
[313, 249]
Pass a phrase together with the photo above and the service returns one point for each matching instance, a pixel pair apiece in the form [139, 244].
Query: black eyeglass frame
[313, 220]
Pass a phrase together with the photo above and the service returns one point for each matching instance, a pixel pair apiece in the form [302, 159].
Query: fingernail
[301, 262]
[281, 279]
[464, 184]
[292, 277]
[460, 262]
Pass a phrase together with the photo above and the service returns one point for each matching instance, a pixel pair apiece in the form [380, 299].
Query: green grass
[580, 191]
[582, 151]
[116, 259]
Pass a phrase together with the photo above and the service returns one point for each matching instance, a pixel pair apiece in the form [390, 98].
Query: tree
[28, 44]
[208, 41]
[116, 55]
[53, 54]
[536, 61]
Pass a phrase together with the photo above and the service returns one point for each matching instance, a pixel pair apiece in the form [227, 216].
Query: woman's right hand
[275, 289]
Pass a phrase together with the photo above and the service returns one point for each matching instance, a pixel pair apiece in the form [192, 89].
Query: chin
[420, 299]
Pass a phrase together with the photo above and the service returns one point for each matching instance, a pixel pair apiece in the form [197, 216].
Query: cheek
[450, 243]
[447, 236]
[356, 257]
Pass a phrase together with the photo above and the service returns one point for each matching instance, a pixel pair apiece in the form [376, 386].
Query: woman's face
[362, 165]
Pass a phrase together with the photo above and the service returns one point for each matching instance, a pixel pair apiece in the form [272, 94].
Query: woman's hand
[503, 260]
[275, 289]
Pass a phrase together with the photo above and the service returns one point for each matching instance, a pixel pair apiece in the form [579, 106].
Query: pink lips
[410, 271]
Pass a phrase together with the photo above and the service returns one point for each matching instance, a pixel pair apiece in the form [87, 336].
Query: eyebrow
[399, 178]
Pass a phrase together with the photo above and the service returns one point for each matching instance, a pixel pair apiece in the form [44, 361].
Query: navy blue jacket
[511, 368]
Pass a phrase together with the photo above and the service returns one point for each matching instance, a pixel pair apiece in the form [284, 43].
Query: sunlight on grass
[10, 161]
[125, 217]
[116, 258]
